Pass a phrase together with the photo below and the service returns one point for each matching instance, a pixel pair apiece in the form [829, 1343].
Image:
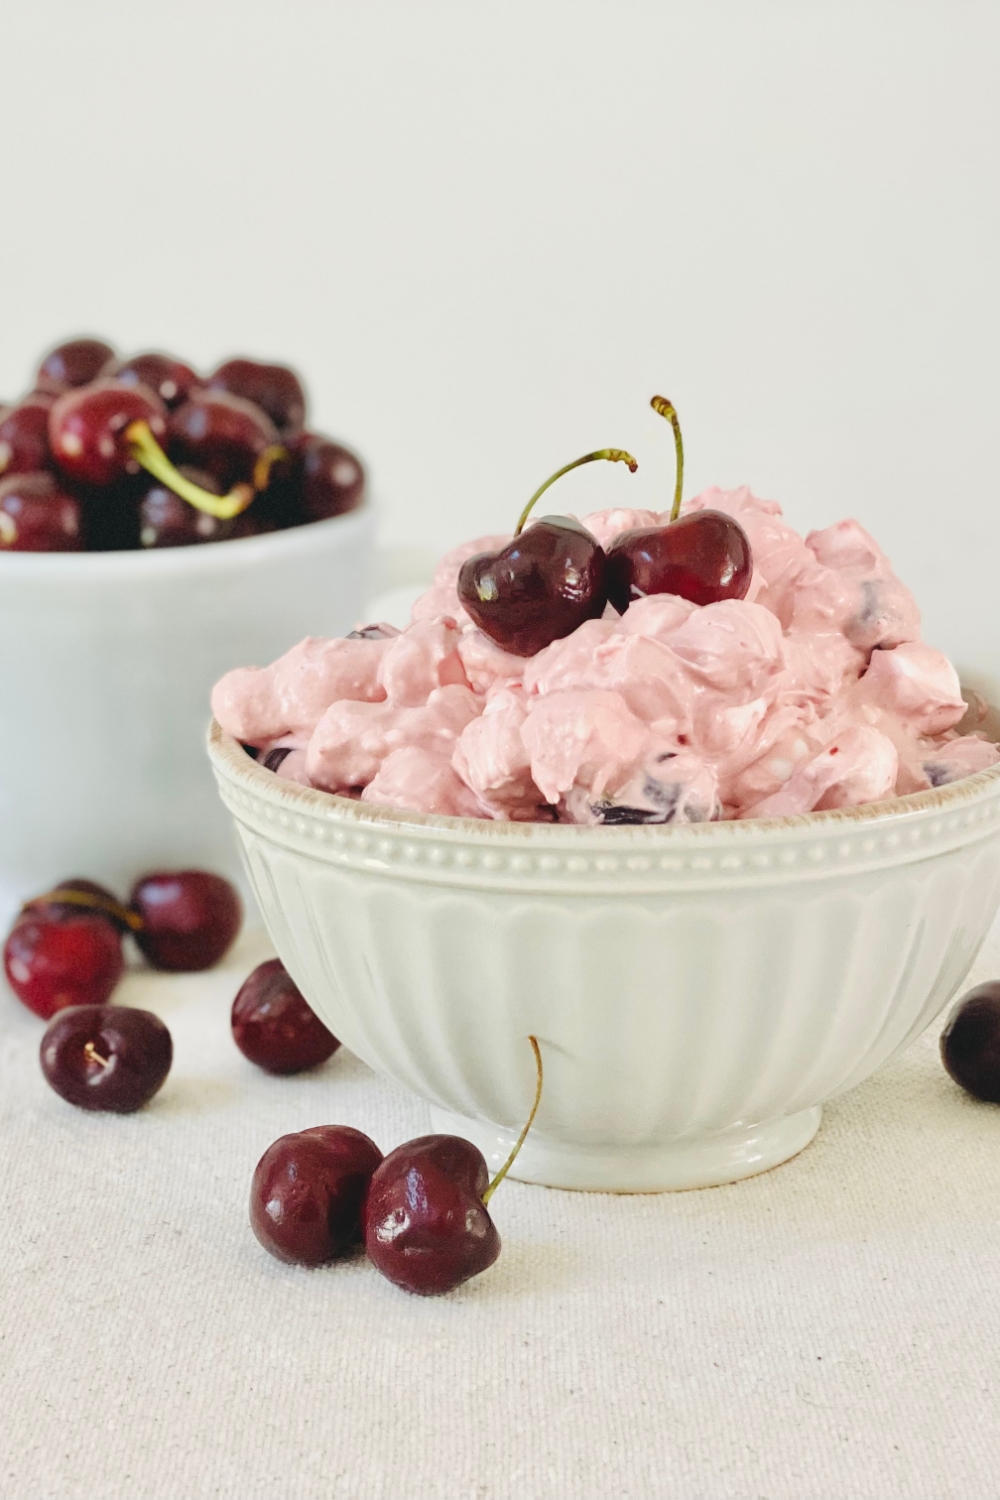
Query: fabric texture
[828, 1329]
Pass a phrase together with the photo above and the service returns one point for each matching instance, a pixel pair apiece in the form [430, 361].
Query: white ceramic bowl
[108, 661]
[698, 991]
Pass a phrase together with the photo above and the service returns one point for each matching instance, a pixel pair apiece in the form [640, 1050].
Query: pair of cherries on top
[551, 578]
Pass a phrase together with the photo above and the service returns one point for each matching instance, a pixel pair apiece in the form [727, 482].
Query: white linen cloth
[828, 1329]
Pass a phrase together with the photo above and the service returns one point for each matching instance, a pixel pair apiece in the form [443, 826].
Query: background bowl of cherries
[118, 477]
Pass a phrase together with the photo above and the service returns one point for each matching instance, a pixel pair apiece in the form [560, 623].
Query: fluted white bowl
[108, 661]
[698, 991]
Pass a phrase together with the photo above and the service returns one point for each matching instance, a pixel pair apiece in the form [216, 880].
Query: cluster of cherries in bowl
[106, 454]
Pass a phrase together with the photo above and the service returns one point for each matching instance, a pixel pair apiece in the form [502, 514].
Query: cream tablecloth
[829, 1329]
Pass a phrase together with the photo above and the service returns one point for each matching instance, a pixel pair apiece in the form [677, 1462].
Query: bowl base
[697, 1161]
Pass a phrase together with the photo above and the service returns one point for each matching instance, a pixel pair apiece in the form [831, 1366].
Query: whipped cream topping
[815, 691]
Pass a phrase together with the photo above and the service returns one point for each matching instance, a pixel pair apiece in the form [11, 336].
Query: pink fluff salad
[813, 692]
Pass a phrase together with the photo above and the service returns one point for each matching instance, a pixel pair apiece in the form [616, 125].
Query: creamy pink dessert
[814, 691]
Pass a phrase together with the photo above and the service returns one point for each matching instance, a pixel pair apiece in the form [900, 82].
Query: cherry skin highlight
[37, 514]
[970, 1043]
[88, 427]
[189, 919]
[106, 1057]
[704, 557]
[426, 1226]
[307, 1193]
[171, 379]
[24, 436]
[275, 1027]
[75, 363]
[276, 389]
[52, 962]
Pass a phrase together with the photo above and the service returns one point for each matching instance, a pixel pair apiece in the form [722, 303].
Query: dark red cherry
[24, 436]
[332, 479]
[426, 1226]
[109, 1057]
[704, 557]
[77, 362]
[38, 515]
[70, 898]
[54, 961]
[307, 1193]
[274, 1025]
[538, 588]
[189, 918]
[88, 429]
[222, 434]
[970, 1043]
[171, 379]
[274, 388]
[165, 520]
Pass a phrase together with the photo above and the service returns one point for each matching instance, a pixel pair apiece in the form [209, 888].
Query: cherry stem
[534, 1110]
[91, 1053]
[92, 902]
[147, 451]
[615, 455]
[666, 409]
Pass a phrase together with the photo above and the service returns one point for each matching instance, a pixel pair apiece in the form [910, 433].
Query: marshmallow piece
[586, 738]
[492, 759]
[485, 663]
[917, 683]
[423, 658]
[421, 780]
[858, 766]
[352, 739]
[734, 647]
[256, 704]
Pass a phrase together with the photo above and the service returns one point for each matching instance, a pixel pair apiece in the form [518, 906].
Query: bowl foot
[697, 1161]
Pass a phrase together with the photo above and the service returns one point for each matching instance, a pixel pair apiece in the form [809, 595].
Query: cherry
[332, 479]
[77, 362]
[24, 436]
[38, 515]
[545, 582]
[307, 1193]
[52, 961]
[68, 898]
[171, 379]
[189, 918]
[106, 1056]
[226, 435]
[165, 520]
[274, 388]
[703, 557]
[274, 1025]
[970, 1043]
[89, 429]
[107, 430]
[426, 1222]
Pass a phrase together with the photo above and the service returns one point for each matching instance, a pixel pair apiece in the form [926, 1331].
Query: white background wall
[487, 233]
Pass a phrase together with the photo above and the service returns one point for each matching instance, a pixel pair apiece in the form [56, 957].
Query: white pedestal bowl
[698, 991]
